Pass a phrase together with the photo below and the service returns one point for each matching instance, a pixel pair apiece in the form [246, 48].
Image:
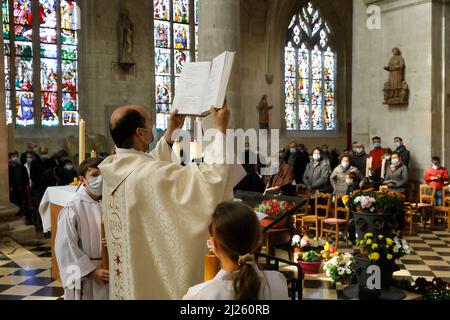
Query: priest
[157, 212]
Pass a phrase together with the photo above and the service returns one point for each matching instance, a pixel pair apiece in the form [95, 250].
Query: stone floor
[25, 270]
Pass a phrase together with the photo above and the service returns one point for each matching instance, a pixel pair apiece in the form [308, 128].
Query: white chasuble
[157, 215]
[78, 248]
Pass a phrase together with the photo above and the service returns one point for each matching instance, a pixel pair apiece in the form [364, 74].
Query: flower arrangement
[374, 202]
[382, 250]
[340, 268]
[273, 206]
[329, 251]
[311, 256]
[307, 244]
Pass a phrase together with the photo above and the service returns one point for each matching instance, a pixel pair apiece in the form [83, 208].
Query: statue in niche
[263, 109]
[395, 89]
[126, 33]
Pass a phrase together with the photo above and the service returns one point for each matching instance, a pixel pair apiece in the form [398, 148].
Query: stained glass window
[310, 73]
[175, 43]
[55, 96]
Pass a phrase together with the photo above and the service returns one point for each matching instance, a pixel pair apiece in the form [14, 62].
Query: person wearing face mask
[47, 162]
[69, 172]
[377, 157]
[397, 175]
[153, 198]
[235, 234]
[402, 151]
[436, 175]
[338, 177]
[316, 174]
[19, 185]
[31, 148]
[282, 178]
[78, 240]
[359, 158]
[301, 160]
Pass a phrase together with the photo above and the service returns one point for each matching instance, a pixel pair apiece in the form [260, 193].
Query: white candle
[383, 169]
[82, 141]
[367, 167]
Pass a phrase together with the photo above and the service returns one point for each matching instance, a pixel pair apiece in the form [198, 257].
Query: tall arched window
[41, 72]
[176, 42]
[310, 73]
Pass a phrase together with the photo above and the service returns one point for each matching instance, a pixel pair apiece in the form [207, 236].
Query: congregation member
[31, 148]
[317, 173]
[397, 175]
[291, 153]
[436, 176]
[404, 153]
[281, 181]
[300, 163]
[377, 157]
[163, 208]
[338, 177]
[19, 185]
[47, 162]
[235, 234]
[353, 183]
[326, 156]
[359, 158]
[69, 172]
[78, 242]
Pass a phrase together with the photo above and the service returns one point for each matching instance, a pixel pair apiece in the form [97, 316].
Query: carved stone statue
[126, 34]
[395, 88]
[263, 109]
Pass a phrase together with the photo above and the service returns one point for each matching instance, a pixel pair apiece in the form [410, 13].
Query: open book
[203, 85]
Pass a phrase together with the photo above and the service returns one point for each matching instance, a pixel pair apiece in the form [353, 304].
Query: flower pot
[376, 223]
[310, 267]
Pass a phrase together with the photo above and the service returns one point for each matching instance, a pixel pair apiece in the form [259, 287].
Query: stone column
[8, 221]
[219, 30]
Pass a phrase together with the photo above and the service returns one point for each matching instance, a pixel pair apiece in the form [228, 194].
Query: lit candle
[367, 167]
[82, 141]
[93, 154]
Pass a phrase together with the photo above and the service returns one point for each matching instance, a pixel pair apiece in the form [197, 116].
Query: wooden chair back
[340, 210]
[446, 196]
[322, 203]
[426, 194]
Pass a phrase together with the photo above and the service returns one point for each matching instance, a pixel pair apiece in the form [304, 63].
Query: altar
[54, 199]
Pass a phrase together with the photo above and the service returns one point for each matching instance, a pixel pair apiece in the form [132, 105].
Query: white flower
[340, 271]
[295, 240]
[304, 241]
[328, 273]
[349, 271]
[357, 199]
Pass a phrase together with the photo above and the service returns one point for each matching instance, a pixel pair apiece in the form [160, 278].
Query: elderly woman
[339, 176]
[283, 177]
[397, 175]
[316, 173]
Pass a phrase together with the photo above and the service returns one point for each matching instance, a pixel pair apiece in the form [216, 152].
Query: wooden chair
[442, 211]
[411, 215]
[306, 209]
[332, 225]
[426, 200]
[322, 204]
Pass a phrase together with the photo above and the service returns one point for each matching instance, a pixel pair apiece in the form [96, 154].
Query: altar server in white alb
[157, 212]
[78, 244]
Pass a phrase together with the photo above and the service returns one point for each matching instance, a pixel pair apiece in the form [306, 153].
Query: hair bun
[247, 259]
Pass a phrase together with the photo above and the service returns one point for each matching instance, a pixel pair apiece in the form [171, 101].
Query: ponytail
[247, 283]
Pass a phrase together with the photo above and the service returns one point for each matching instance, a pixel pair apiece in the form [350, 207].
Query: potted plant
[271, 208]
[310, 262]
[340, 268]
[329, 251]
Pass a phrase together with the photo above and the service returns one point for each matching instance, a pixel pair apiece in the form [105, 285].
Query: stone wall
[413, 27]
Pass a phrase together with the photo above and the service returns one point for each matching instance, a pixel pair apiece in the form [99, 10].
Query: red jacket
[439, 183]
[377, 158]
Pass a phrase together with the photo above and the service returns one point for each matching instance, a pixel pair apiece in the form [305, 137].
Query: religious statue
[395, 88]
[263, 109]
[126, 32]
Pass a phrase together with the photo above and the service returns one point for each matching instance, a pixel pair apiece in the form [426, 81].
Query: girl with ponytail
[235, 235]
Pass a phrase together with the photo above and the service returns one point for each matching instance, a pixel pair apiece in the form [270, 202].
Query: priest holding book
[158, 212]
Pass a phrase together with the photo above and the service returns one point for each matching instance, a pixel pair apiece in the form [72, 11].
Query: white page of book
[228, 65]
[191, 88]
[215, 82]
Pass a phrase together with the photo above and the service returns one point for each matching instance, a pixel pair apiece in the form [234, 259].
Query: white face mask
[387, 157]
[275, 165]
[397, 144]
[345, 164]
[316, 157]
[292, 150]
[435, 166]
[394, 161]
[29, 160]
[15, 159]
[359, 150]
[96, 185]
[68, 167]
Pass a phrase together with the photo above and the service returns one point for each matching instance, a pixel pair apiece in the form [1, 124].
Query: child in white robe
[235, 234]
[78, 243]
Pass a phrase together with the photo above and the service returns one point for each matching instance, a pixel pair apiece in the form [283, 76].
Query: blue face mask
[96, 186]
[156, 137]
[377, 145]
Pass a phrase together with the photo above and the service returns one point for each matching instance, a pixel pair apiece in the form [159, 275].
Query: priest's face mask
[146, 137]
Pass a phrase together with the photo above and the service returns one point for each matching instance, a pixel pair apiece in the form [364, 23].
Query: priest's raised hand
[157, 212]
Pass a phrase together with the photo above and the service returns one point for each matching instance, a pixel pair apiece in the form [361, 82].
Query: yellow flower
[389, 256]
[345, 200]
[374, 256]
[75, 182]
[368, 241]
[368, 235]
[374, 246]
[327, 246]
[380, 236]
[389, 241]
